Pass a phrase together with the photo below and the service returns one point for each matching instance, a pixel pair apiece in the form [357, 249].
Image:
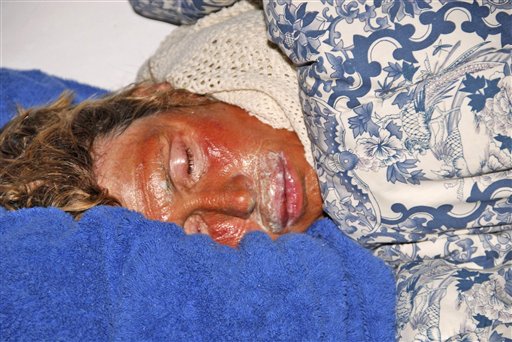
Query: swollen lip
[281, 203]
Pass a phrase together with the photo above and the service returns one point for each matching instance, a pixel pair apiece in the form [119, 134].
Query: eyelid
[180, 150]
[199, 159]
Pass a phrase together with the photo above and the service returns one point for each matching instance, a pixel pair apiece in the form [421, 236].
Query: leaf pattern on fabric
[410, 121]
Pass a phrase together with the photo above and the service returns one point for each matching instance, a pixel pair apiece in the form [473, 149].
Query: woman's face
[212, 169]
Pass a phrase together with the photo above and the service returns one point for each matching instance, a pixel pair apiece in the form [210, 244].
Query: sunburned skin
[212, 169]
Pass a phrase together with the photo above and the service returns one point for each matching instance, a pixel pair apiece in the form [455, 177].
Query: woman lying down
[175, 156]
[226, 163]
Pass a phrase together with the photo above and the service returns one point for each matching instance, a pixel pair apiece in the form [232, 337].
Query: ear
[146, 89]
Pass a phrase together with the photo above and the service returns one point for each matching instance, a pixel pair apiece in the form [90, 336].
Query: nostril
[194, 224]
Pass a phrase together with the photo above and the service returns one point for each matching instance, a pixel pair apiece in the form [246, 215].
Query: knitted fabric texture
[227, 55]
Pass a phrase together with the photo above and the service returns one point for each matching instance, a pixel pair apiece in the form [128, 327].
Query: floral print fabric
[178, 11]
[409, 108]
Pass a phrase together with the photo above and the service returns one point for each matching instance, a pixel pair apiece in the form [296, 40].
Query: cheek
[231, 157]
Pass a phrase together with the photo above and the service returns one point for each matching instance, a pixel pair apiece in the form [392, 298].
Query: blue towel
[34, 88]
[114, 275]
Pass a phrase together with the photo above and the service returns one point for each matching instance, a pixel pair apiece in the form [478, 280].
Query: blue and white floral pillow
[178, 12]
[409, 107]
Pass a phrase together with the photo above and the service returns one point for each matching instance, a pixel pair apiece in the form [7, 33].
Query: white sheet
[101, 43]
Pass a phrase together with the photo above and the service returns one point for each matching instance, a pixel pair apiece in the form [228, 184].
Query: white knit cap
[227, 55]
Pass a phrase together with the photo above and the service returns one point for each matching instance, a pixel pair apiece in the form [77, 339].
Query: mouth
[281, 194]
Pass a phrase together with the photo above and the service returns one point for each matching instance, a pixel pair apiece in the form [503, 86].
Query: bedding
[30, 88]
[114, 275]
[178, 12]
[408, 105]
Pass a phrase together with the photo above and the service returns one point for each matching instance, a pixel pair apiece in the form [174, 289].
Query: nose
[234, 197]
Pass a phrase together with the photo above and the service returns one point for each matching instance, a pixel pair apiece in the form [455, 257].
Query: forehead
[219, 120]
[219, 112]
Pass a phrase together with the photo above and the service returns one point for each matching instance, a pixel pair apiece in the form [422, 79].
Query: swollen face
[212, 169]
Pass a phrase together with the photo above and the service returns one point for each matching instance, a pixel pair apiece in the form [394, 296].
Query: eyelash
[190, 161]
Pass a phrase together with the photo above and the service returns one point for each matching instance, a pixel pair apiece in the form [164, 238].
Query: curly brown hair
[45, 152]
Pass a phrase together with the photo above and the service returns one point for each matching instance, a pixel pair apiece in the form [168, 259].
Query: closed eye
[190, 161]
[186, 163]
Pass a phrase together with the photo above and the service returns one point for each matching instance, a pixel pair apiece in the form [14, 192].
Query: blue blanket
[114, 275]
[34, 88]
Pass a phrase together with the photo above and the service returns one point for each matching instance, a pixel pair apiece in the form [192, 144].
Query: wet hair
[45, 152]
